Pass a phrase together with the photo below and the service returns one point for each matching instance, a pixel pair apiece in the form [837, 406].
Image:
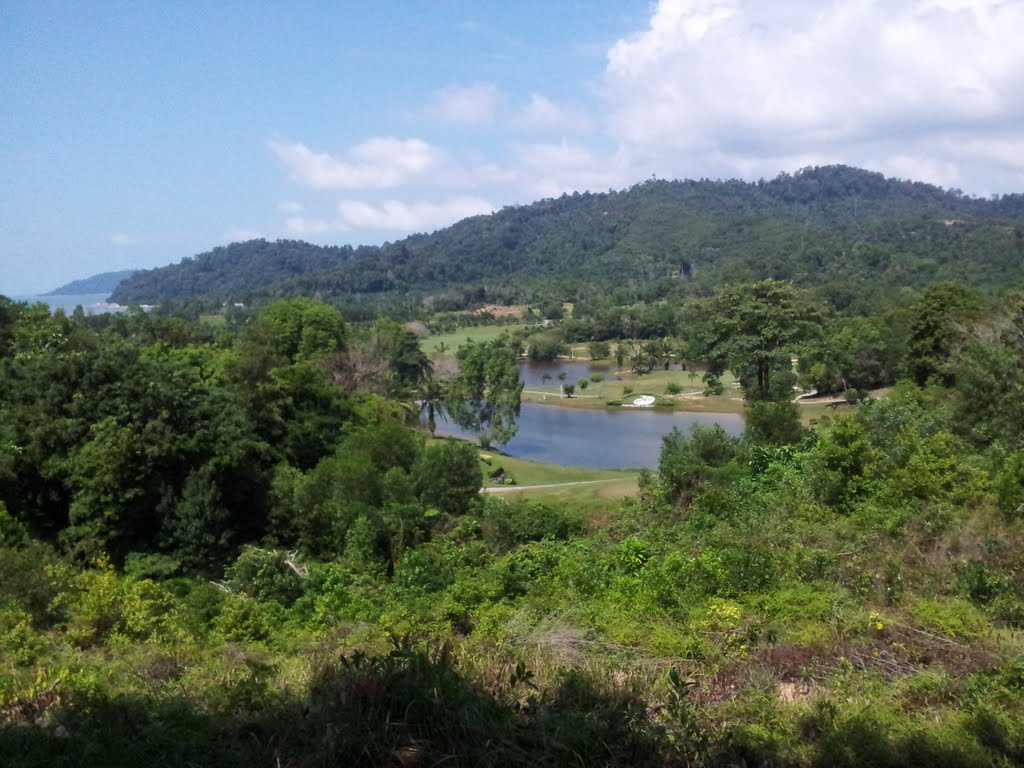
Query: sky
[135, 134]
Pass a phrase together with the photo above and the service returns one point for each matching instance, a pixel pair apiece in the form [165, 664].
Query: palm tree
[431, 398]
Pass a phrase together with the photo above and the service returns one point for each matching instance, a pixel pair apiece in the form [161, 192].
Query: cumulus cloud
[466, 105]
[401, 216]
[930, 90]
[307, 226]
[376, 163]
[943, 173]
[752, 80]
[549, 170]
[540, 113]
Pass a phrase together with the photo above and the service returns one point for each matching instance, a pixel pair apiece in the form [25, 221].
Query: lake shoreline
[598, 438]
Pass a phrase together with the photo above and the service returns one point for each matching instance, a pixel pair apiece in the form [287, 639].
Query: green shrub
[951, 616]
[243, 619]
[19, 642]
[448, 477]
[100, 604]
[508, 524]
[266, 574]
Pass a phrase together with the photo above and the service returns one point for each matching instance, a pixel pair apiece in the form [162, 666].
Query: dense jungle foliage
[853, 234]
[223, 545]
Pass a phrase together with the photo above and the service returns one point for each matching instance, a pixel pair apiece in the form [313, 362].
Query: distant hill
[836, 227]
[105, 282]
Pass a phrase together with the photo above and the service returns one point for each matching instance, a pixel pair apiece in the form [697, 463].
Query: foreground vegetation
[225, 547]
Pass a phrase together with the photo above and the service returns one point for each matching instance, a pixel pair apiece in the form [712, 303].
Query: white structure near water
[644, 401]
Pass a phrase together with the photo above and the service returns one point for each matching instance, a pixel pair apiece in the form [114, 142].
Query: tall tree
[485, 397]
[432, 402]
[935, 329]
[300, 328]
[755, 330]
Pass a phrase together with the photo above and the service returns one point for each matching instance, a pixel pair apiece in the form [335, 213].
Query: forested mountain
[105, 282]
[833, 227]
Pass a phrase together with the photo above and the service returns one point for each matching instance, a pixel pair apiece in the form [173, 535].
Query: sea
[92, 303]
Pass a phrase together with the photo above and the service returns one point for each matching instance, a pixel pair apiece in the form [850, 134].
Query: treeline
[137, 436]
[852, 233]
[916, 337]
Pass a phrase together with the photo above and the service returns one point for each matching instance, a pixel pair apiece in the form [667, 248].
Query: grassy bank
[676, 389]
[535, 473]
[452, 341]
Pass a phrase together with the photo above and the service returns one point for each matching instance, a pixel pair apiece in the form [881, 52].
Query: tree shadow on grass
[414, 708]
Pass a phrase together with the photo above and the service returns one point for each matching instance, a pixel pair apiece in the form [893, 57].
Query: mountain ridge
[704, 233]
[103, 282]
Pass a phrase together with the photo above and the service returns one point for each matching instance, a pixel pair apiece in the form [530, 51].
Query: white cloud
[943, 173]
[549, 170]
[466, 105]
[306, 226]
[750, 82]
[290, 207]
[540, 113]
[121, 240]
[400, 216]
[376, 163]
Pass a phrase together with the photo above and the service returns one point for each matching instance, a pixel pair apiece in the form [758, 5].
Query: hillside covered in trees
[224, 544]
[844, 231]
[105, 282]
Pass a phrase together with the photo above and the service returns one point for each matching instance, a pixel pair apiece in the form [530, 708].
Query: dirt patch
[499, 310]
[791, 693]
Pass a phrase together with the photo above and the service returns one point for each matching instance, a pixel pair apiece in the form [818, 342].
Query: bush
[713, 385]
[774, 423]
[265, 575]
[508, 524]
[705, 457]
[244, 619]
[544, 349]
[448, 477]
[672, 388]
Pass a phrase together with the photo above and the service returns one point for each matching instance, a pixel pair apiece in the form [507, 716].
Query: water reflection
[600, 439]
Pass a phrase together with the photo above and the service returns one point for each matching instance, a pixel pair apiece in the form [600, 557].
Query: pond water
[609, 438]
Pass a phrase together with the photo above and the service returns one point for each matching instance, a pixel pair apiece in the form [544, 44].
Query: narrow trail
[511, 488]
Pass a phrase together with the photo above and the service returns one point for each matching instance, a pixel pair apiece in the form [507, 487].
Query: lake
[92, 303]
[610, 438]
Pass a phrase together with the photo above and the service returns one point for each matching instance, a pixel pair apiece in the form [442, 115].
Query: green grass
[598, 394]
[535, 473]
[216, 319]
[458, 338]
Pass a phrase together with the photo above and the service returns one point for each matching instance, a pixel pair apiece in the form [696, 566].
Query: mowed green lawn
[456, 339]
[534, 473]
[599, 394]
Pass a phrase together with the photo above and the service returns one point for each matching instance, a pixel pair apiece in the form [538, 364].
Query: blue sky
[136, 134]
